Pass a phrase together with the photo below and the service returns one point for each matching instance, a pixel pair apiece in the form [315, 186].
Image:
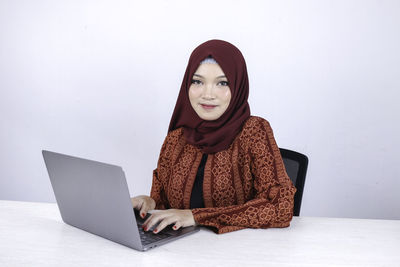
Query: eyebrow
[222, 76]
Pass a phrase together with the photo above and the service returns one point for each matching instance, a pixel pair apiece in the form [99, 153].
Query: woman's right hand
[143, 204]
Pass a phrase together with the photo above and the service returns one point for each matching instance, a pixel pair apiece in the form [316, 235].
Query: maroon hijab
[214, 136]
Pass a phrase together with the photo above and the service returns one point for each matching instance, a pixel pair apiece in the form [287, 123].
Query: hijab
[216, 135]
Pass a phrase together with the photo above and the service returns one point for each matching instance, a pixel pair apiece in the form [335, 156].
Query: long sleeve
[162, 170]
[272, 204]
[157, 192]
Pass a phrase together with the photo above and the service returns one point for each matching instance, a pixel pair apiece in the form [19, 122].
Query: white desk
[33, 234]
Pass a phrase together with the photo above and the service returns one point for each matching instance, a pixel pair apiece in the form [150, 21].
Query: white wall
[99, 79]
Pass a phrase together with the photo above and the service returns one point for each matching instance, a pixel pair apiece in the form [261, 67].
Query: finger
[136, 203]
[146, 222]
[164, 223]
[177, 225]
[154, 219]
[144, 209]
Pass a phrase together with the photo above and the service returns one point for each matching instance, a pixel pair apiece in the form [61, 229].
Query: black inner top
[196, 199]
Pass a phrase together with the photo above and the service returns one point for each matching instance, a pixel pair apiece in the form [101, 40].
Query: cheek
[194, 93]
[226, 95]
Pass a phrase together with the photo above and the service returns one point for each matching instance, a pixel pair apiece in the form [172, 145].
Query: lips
[207, 106]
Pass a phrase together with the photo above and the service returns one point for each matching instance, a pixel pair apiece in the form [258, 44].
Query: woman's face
[209, 92]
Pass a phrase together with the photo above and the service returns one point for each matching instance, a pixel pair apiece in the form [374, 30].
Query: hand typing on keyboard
[143, 204]
[163, 218]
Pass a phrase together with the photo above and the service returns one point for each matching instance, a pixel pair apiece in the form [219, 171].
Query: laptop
[94, 197]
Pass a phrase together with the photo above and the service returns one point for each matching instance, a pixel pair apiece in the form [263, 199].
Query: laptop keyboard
[148, 237]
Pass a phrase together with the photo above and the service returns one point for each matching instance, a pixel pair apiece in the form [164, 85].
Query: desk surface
[33, 234]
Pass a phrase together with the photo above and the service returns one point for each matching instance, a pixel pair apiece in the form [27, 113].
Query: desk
[33, 234]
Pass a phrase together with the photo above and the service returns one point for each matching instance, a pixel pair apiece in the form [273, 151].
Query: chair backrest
[296, 167]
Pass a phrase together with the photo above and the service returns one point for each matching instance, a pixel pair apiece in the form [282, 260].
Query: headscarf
[217, 135]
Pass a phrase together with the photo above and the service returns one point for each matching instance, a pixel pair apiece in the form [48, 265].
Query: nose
[208, 92]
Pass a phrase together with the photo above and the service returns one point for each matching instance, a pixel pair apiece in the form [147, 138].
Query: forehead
[209, 69]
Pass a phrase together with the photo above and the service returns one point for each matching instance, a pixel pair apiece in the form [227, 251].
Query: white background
[99, 79]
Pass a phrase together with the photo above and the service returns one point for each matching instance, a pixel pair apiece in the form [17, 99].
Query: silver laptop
[94, 197]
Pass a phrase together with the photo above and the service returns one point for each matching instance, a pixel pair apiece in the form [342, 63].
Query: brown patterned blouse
[244, 186]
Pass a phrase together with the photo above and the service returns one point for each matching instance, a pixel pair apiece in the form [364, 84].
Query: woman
[218, 167]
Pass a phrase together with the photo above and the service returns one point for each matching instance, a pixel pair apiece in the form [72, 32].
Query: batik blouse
[244, 186]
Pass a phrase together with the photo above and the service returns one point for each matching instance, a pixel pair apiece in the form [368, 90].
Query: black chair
[296, 167]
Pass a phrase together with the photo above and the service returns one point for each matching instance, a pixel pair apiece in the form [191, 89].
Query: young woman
[219, 166]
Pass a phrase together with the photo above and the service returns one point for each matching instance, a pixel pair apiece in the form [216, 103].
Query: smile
[208, 107]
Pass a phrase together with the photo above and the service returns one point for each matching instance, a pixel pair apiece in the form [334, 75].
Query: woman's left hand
[181, 218]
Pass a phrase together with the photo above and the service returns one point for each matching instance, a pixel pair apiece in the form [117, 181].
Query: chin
[209, 118]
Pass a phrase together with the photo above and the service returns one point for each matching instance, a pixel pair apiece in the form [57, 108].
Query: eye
[223, 83]
[194, 81]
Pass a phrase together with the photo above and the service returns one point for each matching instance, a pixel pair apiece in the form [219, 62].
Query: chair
[296, 167]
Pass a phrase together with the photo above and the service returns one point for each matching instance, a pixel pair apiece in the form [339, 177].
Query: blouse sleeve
[272, 205]
[163, 168]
